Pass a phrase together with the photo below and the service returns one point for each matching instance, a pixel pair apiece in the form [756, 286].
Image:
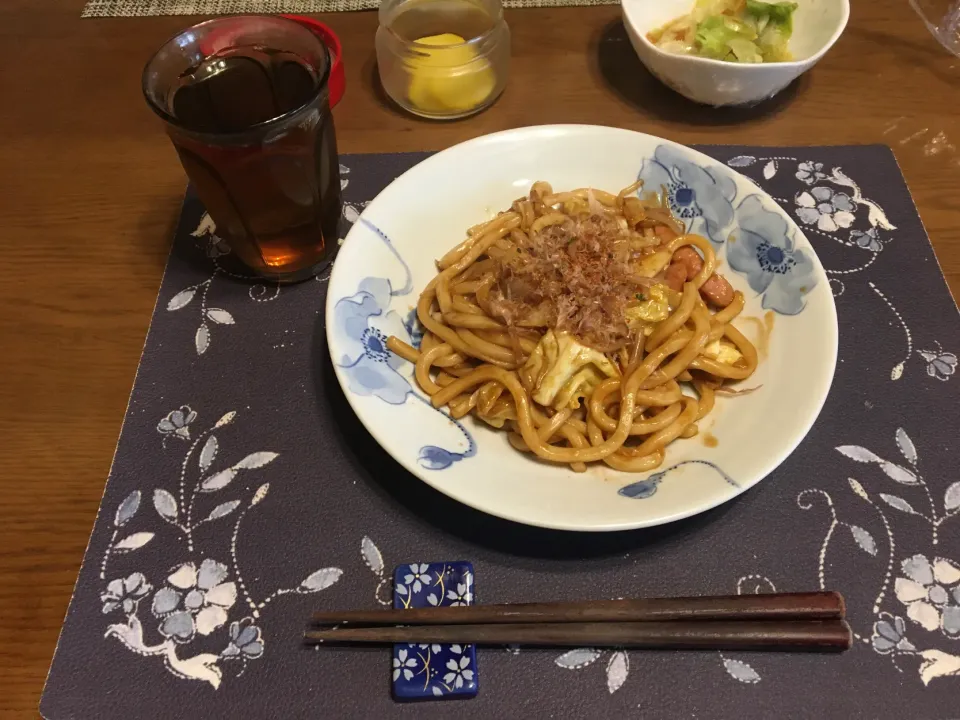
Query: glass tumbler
[942, 18]
[245, 101]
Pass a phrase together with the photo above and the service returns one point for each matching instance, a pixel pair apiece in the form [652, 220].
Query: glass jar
[443, 59]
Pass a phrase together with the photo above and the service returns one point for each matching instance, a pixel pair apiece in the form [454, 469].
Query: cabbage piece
[717, 34]
[652, 264]
[774, 23]
[677, 47]
[705, 8]
[722, 351]
[745, 51]
[713, 37]
[772, 44]
[498, 420]
[581, 385]
[779, 14]
[654, 306]
[746, 31]
[567, 370]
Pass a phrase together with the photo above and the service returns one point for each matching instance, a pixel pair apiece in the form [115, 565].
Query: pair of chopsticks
[781, 621]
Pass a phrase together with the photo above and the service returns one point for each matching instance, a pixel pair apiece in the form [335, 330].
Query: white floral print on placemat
[195, 598]
[617, 667]
[909, 477]
[739, 669]
[373, 559]
[215, 248]
[618, 660]
[926, 585]
[823, 209]
[177, 424]
[828, 209]
[940, 365]
[829, 204]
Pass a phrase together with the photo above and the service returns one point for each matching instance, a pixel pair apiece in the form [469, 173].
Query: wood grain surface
[90, 189]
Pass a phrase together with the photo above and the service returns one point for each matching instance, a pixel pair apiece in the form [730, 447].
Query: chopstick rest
[423, 671]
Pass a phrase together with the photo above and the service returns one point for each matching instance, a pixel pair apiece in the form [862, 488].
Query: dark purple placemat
[208, 554]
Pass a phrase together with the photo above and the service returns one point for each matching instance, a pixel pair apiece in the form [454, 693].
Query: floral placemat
[244, 493]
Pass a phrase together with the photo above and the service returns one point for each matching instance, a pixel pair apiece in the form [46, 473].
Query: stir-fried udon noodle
[575, 321]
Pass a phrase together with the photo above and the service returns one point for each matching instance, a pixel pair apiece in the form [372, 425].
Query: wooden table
[90, 189]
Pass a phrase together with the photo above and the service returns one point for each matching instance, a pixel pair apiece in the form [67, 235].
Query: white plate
[388, 258]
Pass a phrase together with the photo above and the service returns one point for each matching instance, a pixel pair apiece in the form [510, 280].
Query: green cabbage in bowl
[744, 31]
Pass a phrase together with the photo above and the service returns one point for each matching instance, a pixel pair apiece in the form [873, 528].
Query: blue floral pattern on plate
[363, 322]
[422, 672]
[642, 489]
[367, 322]
[700, 196]
[764, 251]
[761, 244]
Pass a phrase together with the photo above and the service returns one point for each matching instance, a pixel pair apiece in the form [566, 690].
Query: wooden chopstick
[771, 606]
[781, 635]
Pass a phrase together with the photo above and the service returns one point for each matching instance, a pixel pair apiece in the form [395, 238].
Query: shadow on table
[621, 70]
[389, 479]
[370, 78]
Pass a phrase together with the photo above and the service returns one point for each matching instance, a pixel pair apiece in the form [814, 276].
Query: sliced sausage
[715, 290]
[690, 259]
[676, 276]
[665, 233]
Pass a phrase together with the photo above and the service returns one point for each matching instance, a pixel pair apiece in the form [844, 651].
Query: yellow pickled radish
[453, 79]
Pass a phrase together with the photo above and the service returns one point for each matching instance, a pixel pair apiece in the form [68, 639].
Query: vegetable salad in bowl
[741, 31]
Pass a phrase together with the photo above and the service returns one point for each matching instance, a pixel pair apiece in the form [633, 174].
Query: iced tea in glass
[246, 103]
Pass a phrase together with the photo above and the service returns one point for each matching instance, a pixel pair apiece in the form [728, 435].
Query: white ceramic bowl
[817, 24]
[388, 258]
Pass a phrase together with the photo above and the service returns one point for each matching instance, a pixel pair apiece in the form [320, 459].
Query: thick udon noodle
[471, 361]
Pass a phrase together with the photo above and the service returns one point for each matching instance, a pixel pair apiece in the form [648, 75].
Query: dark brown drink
[252, 125]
